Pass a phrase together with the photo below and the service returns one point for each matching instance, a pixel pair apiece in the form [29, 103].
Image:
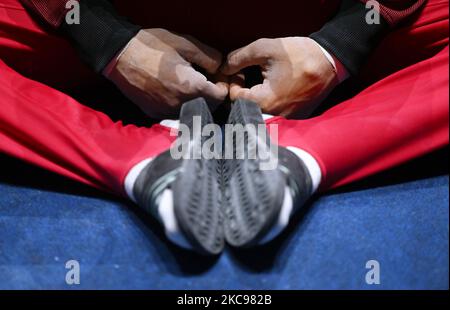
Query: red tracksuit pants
[401, 116]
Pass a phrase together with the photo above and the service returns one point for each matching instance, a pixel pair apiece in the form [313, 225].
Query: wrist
[113, 63]
[341, 72]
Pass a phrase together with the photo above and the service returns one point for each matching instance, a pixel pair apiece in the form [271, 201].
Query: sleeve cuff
[101, 33]
[341, 72]
[349, 37]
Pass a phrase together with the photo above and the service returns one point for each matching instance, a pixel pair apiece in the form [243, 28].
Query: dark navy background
[400, 219]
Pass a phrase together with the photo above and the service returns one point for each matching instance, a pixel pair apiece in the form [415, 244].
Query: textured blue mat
[405, 227]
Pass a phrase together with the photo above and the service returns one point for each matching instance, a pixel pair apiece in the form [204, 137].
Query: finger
[258, 94]
[221, 79]
[191, 50]
[237, 80]
[252, 55]
[216, 92]
[223, 82]
[197, 85]
[200, 54]
[237, 83]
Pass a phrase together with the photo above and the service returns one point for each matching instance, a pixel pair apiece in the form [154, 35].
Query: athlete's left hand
[297, 75]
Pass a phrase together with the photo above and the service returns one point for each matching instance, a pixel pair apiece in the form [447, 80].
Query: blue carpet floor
[405, 227]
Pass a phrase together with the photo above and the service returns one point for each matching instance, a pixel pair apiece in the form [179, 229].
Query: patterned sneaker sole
[196, 191]
[252, 197]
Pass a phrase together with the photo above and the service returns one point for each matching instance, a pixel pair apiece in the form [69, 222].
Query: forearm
[100, 34]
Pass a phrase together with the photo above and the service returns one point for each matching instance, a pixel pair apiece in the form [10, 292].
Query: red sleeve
[394, 11]
[51, 11]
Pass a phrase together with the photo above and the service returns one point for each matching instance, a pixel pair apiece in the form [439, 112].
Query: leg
[45, 127]
[422, 37]
[37, 52]
[401, 117]
[396, 120]
[48, 128]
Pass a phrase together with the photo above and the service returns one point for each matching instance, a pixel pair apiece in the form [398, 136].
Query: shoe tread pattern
[197, 192]
[253, 197]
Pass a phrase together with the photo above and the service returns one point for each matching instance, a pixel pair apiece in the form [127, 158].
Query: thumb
[260, 93]
[199, 86]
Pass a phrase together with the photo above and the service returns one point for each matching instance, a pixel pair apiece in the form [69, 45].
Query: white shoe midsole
[283, 218]
[166, 213]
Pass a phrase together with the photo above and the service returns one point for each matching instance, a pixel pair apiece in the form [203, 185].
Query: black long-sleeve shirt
[103, 33]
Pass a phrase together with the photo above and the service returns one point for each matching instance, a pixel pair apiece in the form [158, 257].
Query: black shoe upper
[298, 177]
[154, 179]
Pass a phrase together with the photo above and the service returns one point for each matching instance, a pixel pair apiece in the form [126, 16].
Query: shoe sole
[252, 197]
[197, 192]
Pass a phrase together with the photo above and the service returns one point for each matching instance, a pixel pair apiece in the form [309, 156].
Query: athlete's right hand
[156, 72]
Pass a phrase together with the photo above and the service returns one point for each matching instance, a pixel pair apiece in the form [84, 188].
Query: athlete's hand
[156, 72]
[297, 75]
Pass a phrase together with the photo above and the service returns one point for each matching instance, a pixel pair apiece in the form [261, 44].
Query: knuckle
[216, 57]
[310, 73]
[160, 31]
[194, 88]
[265, 107]
[188, 37]
[263, 48]
[199, 88]
[231, 62]
[187, 90]
[262, 41]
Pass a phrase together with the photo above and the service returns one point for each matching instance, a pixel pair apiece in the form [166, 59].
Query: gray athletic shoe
[195, 188]
[253, 198]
